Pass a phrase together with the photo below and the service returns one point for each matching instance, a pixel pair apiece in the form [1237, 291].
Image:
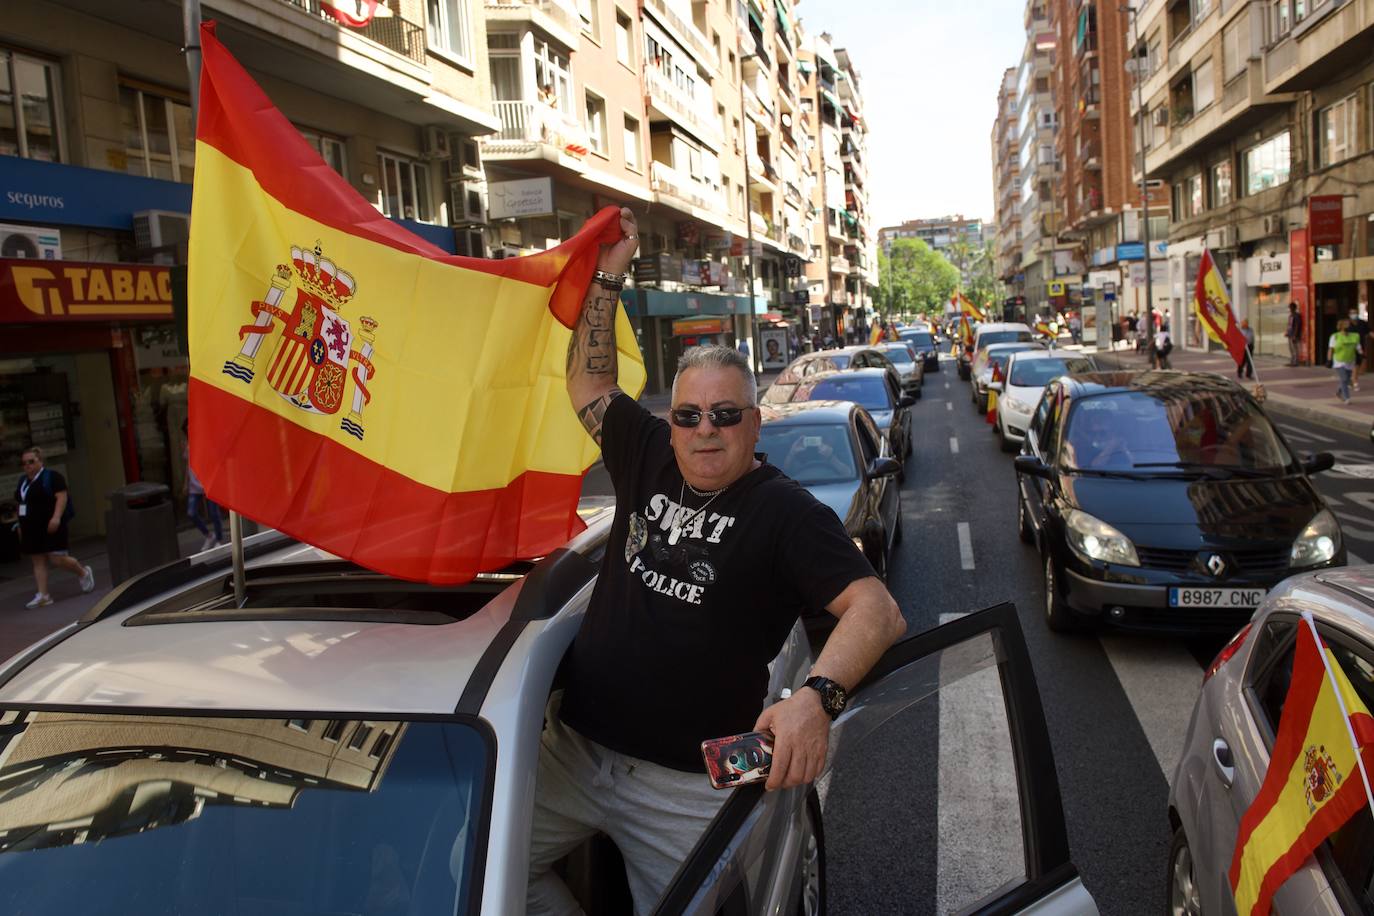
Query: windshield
[1037, 373]
[810, 455]
[839, 361]
[987, 338]
[919, 338]
[866, 391]
[1143, 432]
[118, 814]
[900, 356]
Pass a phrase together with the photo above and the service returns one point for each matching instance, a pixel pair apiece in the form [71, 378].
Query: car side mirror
[907, 400]
[882, 467]
[1029, 464]
[1322, 461]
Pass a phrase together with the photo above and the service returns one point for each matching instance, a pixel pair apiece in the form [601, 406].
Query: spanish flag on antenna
[1212, 302]
[358, 388]
[969, 308]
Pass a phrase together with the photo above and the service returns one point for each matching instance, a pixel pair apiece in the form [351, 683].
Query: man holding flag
[1212, 302]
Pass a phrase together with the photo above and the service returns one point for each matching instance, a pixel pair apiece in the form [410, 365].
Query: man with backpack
[44, 511]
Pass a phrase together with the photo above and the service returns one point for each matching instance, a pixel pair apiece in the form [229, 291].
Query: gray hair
[718, 357]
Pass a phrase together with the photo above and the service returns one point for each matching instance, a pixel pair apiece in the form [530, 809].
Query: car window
[870, 391]
[988, 338]
[1139, 429]
[779, 393]
[869, 438]
[220, 815]
[811, 454]
[1036, 373]
[1037, 423]
[1050, 432]
[839, 361]
[900, 357]
[918, 338]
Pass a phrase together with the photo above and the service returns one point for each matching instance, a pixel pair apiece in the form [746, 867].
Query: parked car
[988, 333]
[926, 345]
[343, 742]
[876, 391]
[910, 369]
[809, 364]
[1231, 739]
[1165, 500]
[834, 450]
[1025, 377]
[993, 360]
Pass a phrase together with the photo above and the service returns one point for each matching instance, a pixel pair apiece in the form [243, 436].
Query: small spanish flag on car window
[1317, 777]
[358, 388]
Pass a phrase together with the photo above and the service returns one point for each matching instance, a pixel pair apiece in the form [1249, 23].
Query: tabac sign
[44, 291]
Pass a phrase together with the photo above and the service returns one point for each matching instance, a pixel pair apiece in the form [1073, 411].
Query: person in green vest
[1343, 350]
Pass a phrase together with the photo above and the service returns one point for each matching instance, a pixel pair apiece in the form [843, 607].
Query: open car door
[940, 796]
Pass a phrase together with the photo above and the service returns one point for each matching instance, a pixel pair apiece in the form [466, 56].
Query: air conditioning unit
[1273, 225]
[435, 143]
[30, 242]
[506, 251]
[1225, 237]
[465, 158]
[158, 234]
[1159, 117]
[469, 242]
[467, 202]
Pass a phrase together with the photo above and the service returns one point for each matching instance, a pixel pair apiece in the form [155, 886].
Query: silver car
[1230, 737]
[339, 742]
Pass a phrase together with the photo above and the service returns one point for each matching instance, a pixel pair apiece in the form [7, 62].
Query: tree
[914, 278]
[978, 268]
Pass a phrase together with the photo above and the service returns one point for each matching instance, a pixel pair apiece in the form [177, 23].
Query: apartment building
[1006, 180]
[1258, 120]
[861, 246]
[942, 233]
[1098, 192]
[95, 180]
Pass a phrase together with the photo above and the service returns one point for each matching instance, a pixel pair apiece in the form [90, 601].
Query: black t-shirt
[676, 642]
[39, 498]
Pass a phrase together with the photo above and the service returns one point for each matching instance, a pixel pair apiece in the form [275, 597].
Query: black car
[810, 364]
[925, 345]
[875, 390]
[1165, 500]
[834, 450]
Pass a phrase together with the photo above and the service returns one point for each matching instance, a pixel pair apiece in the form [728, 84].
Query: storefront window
[29, 128]
[159, 141]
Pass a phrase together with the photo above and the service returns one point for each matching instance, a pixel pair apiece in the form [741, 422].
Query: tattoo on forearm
[591, 350]
[594, 413]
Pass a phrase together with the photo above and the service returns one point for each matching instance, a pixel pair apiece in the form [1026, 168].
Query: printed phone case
[738, 760]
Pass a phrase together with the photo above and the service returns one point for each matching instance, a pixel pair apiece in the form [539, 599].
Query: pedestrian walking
[45, 508]
[196, 498]
[1164, 345]
[1343, 350]
[1360, 328]
[1293, 331]
[714, 555]
[1247, 367]
[1076, 328]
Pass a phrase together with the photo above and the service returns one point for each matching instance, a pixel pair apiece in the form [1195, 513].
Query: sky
[929, 73]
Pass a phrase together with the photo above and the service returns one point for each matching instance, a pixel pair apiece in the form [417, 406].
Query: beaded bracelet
[609, 281]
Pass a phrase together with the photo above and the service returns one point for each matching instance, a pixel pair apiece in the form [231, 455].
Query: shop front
[668, 323]
[1262, 298]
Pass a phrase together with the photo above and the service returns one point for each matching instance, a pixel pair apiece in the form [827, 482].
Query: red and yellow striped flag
[1212, 303]
[1315, 780]
[358, 388]
[969, 308]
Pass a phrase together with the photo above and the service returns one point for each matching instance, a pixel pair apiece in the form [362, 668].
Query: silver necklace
[680, 523]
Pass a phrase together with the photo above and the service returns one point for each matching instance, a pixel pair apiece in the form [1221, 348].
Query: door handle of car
[1221, 759]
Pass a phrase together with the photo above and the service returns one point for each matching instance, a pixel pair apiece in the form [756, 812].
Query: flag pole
[1345, 714]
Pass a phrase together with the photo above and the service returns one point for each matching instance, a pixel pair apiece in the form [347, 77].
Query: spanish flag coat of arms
[360, 389]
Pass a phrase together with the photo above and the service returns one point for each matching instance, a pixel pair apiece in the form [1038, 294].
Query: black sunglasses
[687, 417]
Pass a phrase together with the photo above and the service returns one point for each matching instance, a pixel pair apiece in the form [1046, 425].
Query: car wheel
[811, 873]
[1023, 525]
[1058, 617]
[1184, 898]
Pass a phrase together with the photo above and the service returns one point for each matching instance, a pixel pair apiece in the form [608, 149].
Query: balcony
[1195, 38]
[667, 101]
[533, 130]
[556, 18]
[685, 32]
[839, 264]
[762, 173]
[1327, 42]
[1090, 155]
[395, 32]
[683, 192]
[798, 245]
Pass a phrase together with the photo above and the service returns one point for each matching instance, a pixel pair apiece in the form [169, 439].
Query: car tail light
[1228, 650]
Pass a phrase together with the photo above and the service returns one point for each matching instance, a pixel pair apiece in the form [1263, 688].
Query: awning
[1082, 28]
[783, 21]
[831, 98]
[805, 67]
[755, 13]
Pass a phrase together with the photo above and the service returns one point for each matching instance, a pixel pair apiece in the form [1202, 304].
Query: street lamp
[748, 213]
[1136, 71]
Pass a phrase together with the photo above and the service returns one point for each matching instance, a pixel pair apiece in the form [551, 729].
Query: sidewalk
[1307, 392]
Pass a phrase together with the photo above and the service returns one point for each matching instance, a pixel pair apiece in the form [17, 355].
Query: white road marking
[965, 546]
[949, 405]
[1161, 681]
[1304, 434]
[1365, 471]
[978, 838]
[954, 445]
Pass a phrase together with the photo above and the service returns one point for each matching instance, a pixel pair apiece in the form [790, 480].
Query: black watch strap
[833, 696]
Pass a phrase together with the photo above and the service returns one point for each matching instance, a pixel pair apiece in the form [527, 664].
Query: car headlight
[1318, 542]
[1096, 540]
[1016, 405]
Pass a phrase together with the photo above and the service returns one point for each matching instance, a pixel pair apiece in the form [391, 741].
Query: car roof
[1343, 596]
[1150, 381]
[150, 644]
[1015, 346]
[798, 413]
[1044, 354]
[1002, 326]
[845, 373]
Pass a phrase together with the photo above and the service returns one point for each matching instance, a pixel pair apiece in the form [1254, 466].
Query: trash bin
[140, 530]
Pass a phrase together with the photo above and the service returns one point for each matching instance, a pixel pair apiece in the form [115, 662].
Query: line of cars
[1169, 500]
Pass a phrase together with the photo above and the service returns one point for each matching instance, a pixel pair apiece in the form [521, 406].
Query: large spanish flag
[969, 308]
[358, 388]
[1213, 305]
[1316, 776]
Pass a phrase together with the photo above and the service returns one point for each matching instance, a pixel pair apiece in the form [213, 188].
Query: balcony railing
[673, 100]
[395, 32]
[839, 264]
[798, 245]
[523, 123]
[667, 180]
[561, 13]
[686, 30]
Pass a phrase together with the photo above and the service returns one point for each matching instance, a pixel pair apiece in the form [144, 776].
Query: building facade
[1006, 180]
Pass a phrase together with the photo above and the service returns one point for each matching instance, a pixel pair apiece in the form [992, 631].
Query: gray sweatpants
[653, 814]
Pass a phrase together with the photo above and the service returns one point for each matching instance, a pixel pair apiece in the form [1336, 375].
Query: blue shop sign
[1130, 251]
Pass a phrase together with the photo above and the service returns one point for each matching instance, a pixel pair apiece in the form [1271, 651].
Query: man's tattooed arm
[592, 362]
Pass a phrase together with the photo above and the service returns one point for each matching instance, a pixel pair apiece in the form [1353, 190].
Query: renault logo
[1216, 565]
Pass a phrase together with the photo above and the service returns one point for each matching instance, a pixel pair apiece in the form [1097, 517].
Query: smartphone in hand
[738, 760]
